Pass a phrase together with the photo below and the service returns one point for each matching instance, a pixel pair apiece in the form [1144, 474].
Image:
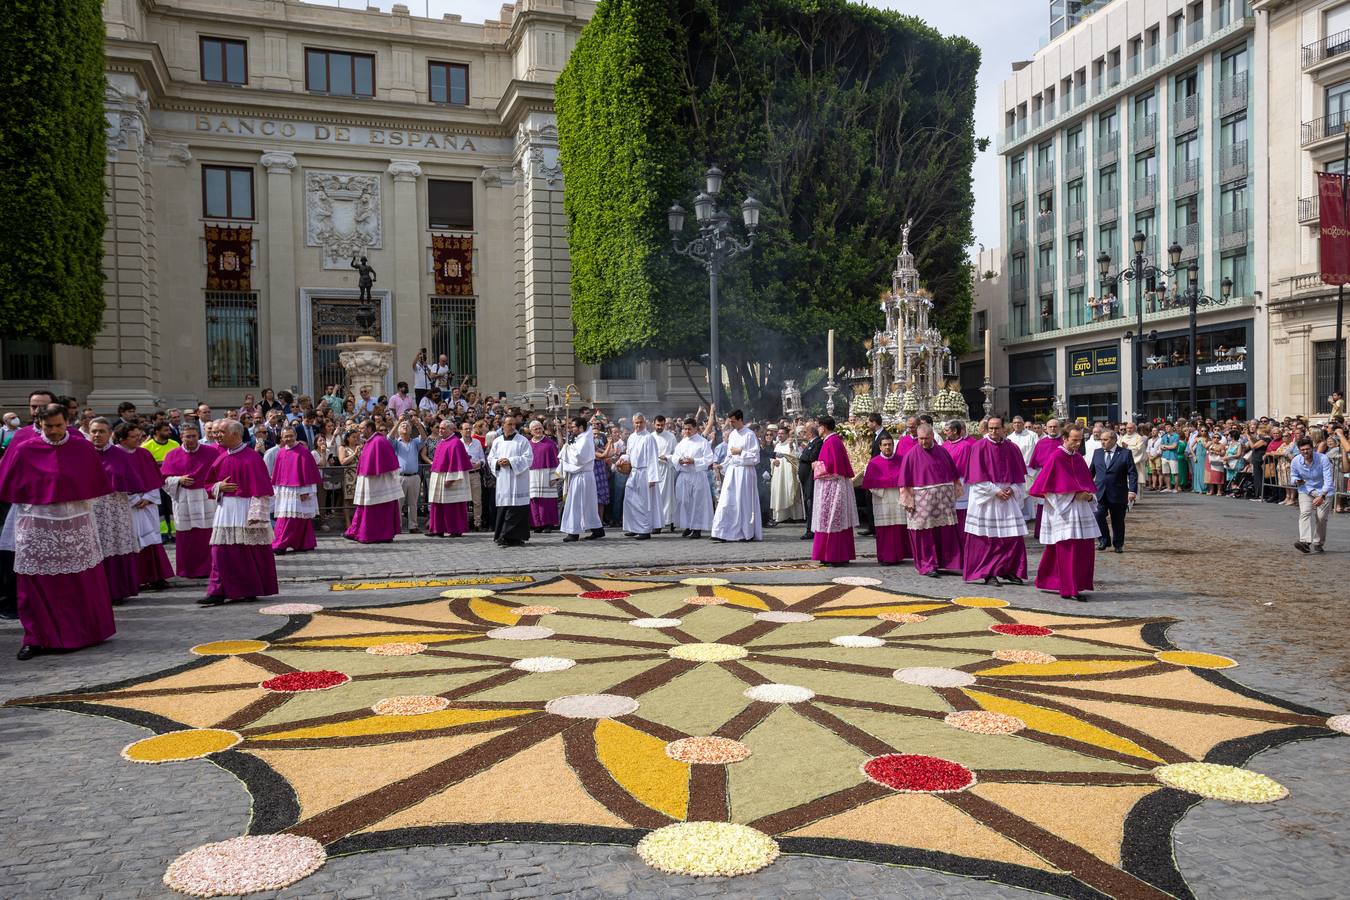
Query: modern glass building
[1134, 119]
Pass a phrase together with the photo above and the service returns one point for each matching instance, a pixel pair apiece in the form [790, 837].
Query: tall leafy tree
[846, 121]
[51, 157]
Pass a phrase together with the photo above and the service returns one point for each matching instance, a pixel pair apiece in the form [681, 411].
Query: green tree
[845, 120]
[52, 156]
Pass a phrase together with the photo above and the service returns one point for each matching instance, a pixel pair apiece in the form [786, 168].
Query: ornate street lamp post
[1139, 270]
[714, 247]
[1193, 298]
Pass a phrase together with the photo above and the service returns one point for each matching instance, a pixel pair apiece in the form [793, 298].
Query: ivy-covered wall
[843, 119]
[52, 157]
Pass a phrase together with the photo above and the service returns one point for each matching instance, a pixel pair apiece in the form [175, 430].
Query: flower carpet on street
[713, 727]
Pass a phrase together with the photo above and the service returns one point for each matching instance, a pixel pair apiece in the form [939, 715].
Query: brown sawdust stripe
[399, 620]
[655, 729]
[998, 613]
[580, 753]
[1114, 623]
[651, 679]
[1062, 854]
[706, 590]
[633, 611]
[417, 673]
[981, 665]
[378, 805]
[759, 628]
[133, 695]
[744, 673]
[622, 657]
[597, 616]
[492, 681]
[851, 733]
[876, 706]
[820, 808]
[882, 628]
[739, 725]
[804, 663]
[618, 642]
[708, 801]
[766, 648]
[253, 712]
[460, 654]
[1160, 748]
[263, 661]
[372, 740]
[365, 713]
[1218, 709]
[957, 699]
[584, 584]
[674, 631]
[1032, 776]
[295, 642]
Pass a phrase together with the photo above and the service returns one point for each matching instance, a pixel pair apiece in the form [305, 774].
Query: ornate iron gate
[335, 322]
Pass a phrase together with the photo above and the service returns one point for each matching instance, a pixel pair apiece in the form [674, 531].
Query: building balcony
[1195, 33]
[1186, 178]
[1145, 193]
[1017, 287]
[1108, 206]
[1233, 229]
[1233, 162]
[1188, 236]
[1045, 177]
[1308, 212]
[1045, 228]
[1152, 56]
[1112, 77]
[1075, 214]
[1074, 163]
[1038, 118]
[1186, 115]
[1326, 48]
[1017, 239]
[1233, 94]
[1176, 43]
[1017, 190]
[1326, 127]
[1080, 95]
[1145, 136]
[1108, 148]
[1076, 272]
[1045, 279]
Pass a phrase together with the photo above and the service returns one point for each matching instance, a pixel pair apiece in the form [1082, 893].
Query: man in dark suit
[1117, 485]
[807, 476]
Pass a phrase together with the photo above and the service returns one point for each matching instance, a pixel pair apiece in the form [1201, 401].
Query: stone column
[279, 315]
[126, 350]
[409, 262]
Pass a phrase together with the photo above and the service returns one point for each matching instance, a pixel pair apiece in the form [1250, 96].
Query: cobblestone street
[81, 823]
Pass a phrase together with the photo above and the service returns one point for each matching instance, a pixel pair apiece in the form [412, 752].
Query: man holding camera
[1311, 475]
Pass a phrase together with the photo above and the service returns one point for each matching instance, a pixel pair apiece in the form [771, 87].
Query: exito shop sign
[1097, 361]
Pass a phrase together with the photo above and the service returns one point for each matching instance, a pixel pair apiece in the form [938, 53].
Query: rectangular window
[1108, 180]
[24, 359]
[1233, 130]
[227, 192]
[1074, 140]
[450, 204]
[1234, 63]
[1145, 166]
[231, 339]
[454, 332]
[339, 73]
[1338, 103]
[1236, 268]
[1186, 151]
[1186, 84]
[1233, 198]
[449, 83]
[1073, 193]
[1107, 125]
[1107, 242]
[1045, 156]
[622, 369]
[1018, 215]
[1325, 352]
[1145, 106]
[1018, 168]
[224, 61]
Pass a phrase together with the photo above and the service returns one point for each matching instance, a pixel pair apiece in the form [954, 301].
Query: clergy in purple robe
[152, 561]
[295, 482]
[882, 478]
[194, 513]
[378, 491]
[1069, 530]
[113, 518]
[52, 481]
[996, 480]
[242, 564]
[959, 446]
[929, 486]
[834, 513]
[545, 515]
[448, 492]
[1040, 454]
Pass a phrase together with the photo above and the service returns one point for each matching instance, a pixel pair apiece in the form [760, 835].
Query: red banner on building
[229, 258]
[1334, 235]
[453, 258]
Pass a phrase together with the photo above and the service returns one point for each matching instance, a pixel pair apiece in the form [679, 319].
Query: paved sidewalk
[80, 822]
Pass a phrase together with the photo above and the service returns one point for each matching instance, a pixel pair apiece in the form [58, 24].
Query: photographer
[422, 376]
[1311, 473]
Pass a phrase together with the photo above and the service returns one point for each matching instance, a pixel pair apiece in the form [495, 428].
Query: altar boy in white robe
[666, 440]
[576, 465]
[693, 502]
[510, 459]
[641, 498]
[738, 517]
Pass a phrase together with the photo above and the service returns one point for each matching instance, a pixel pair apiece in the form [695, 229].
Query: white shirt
[420, 380]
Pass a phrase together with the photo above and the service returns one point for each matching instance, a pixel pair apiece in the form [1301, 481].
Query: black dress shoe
[807, 537]
[160, 585]
[211, 601]
[993, 580]
[248, 599]
[1079, 597]
[1118, 549]
[718, 540]
[571, 538]
[1102, 545]
[933, 574]
[8, 616]
[1301, 547]
[686, 532]
[642, 537]
[629, 534]
[695, 535]
[1013, 579]
[27, 652]
[1317, 548]
[595, 535]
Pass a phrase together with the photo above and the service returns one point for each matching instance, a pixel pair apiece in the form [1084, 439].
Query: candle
[830, 365]
[988, 357]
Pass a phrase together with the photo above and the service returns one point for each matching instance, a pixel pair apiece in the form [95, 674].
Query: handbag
[818, 469]
[623, 467]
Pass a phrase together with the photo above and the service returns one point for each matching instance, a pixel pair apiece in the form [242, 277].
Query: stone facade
[331, 175]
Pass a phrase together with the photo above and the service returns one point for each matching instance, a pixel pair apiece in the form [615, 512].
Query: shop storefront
[1224, 369]
[972, 379]
[1092, 383]
[1031, 389]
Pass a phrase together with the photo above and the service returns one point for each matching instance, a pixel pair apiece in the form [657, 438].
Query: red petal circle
[1022, 630]
[918, 774]
[604, 595]
[305, 681]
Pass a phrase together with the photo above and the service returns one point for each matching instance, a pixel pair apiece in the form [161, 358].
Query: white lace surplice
[835, 509]
[146, 519]
[448, 487]
[542, 486]
[1067, 519]
[55, 538]
[372, 490]
[112, 521]
[192, 508]
[290, 505]
[232, 522]
[989, 516]
[887, 508]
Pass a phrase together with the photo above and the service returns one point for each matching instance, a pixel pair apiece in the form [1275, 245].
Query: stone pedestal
[367, 361]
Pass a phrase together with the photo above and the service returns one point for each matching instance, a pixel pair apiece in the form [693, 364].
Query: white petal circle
[934, 676]
[783, 617]
[543, 664]
[780, 693]
[857, 640]
[521, 633]
[591, 706]
[655, 623]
